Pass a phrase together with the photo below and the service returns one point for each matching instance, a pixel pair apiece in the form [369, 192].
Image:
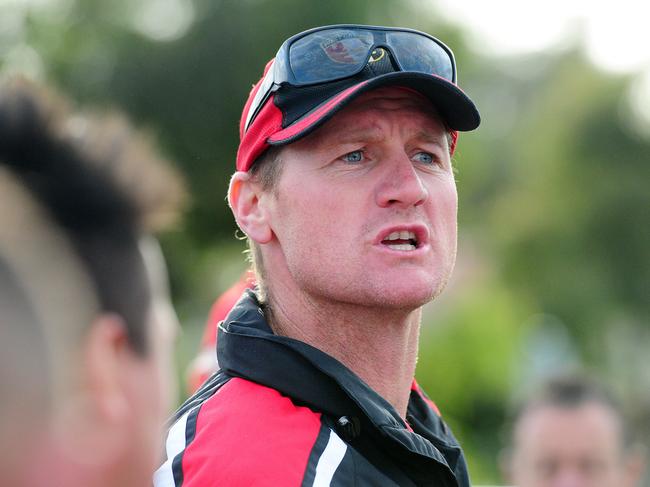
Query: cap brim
[455, 107]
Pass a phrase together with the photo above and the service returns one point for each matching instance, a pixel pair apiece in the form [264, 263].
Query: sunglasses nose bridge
[383, 55]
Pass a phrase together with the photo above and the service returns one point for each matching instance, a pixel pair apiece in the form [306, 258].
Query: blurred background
[553, 271]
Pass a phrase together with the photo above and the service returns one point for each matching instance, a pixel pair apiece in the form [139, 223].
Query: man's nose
[401, 184]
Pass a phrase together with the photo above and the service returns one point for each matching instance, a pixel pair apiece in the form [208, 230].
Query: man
[87, 326]
[345, 190]
[572, 434]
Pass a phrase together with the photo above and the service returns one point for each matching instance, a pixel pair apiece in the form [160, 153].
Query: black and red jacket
[283, 413]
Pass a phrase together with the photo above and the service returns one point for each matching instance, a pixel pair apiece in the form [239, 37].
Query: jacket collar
[247, 348]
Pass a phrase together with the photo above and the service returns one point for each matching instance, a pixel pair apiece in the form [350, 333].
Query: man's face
[569, 447]
[365, 208]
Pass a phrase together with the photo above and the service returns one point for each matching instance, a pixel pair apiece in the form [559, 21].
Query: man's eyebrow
[350, 134]
[430, 138]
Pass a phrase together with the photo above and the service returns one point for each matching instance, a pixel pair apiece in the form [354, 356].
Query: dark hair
[572, 391]
[99, 183]
[267, 168]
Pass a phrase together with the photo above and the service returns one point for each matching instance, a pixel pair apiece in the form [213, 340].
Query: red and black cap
[293, 112]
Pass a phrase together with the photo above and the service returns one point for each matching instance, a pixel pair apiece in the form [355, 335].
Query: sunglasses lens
[333, 54]
[329, 55]
[421, 54]
[337, 53]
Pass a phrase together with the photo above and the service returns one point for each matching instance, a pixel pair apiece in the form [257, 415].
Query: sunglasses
[336, 52]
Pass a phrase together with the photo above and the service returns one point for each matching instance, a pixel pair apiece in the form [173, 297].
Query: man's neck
[378, 345]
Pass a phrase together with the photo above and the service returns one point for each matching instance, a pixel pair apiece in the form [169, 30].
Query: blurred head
[79, 199]
[572, 434]
[313, 79]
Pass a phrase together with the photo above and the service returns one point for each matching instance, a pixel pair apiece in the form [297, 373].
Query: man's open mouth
[404, 240]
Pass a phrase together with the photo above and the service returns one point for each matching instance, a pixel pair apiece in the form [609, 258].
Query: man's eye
[424, 158]
[354, 156]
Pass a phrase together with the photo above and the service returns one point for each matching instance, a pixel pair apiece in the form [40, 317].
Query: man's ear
[248, 203]
[107, 353]
[94, 422]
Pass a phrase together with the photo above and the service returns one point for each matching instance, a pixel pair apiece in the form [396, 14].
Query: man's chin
[410, 295]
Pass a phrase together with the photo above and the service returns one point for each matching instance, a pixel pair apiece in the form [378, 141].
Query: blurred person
[572, 433]
[205, 363]
[345, 188]
[87, 325]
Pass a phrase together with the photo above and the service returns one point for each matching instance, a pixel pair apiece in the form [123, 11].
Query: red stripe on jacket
[249, 434]
[416, 387]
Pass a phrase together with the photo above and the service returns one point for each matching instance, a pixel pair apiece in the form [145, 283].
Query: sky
[615, 33]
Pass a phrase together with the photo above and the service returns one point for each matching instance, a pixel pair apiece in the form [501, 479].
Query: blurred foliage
[553, 267]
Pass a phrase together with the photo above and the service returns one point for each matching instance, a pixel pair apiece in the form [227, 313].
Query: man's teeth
[403, 235]
[404, 240]
[401, 246]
